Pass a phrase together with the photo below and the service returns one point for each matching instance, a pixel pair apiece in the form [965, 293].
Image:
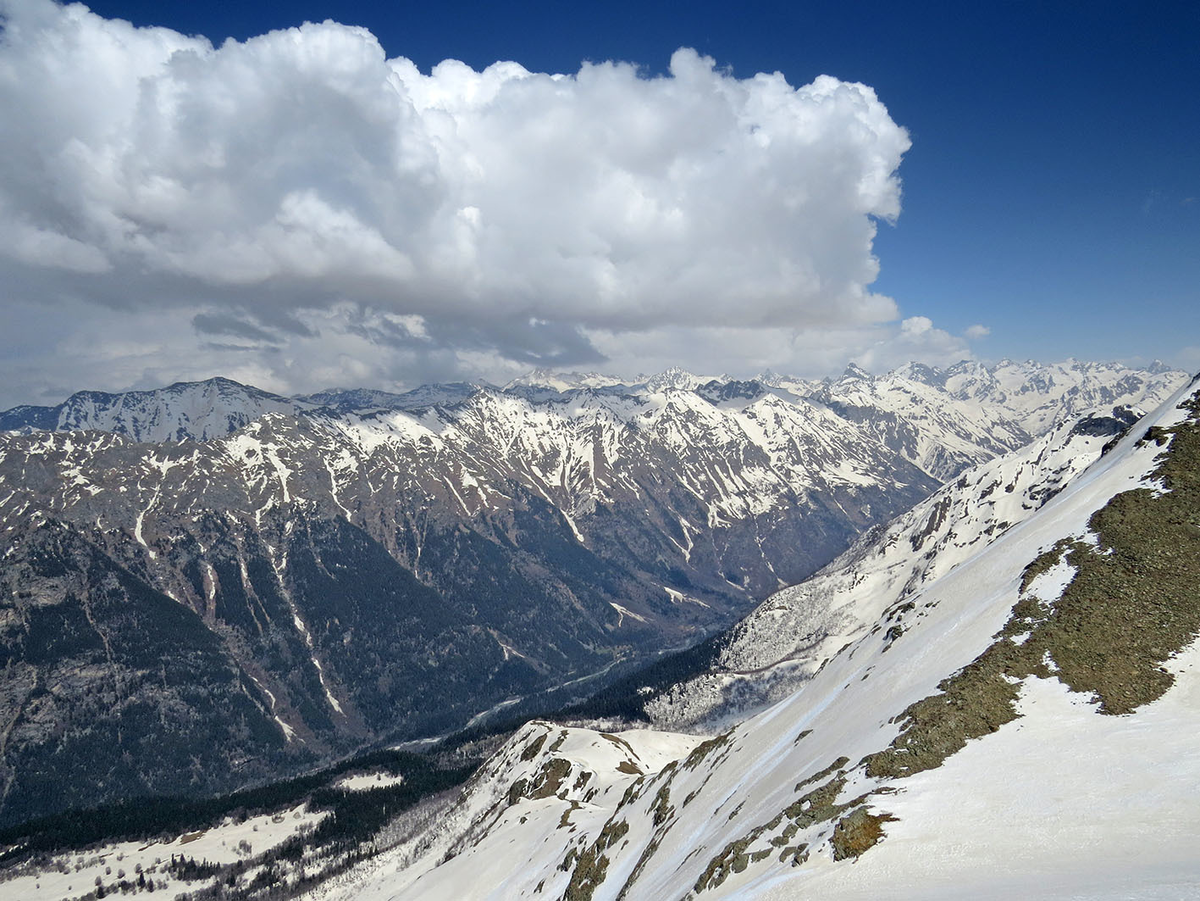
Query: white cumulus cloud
[271, 186]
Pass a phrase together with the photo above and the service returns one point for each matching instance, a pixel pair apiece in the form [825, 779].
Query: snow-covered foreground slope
[947, 734]
[548, 785]
[1060, 803]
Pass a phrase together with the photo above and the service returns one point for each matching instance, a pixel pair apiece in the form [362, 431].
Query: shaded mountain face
[989, 712]
[316, 574]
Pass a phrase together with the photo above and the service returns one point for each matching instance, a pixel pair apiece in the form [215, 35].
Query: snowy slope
[75, 874]
[546, 783]
[778, 646]
[911, 411]
[1054, 803]
[981, 827]
[564, 381]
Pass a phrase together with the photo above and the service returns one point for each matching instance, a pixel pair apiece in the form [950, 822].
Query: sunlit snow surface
[1059, 803]
[368, 781]
[496, 848]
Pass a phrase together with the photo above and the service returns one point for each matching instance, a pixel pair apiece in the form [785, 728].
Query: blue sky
[1052, 190]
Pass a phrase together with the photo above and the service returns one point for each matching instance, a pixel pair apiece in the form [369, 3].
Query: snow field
[74, 874]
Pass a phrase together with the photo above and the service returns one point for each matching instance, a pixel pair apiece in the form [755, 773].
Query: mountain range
[993, 696]
[208, 585]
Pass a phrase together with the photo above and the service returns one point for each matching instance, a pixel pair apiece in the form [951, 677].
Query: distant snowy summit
[1033, 396]
[564, 381]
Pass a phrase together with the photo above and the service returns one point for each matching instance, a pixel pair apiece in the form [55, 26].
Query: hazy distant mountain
[197, 410]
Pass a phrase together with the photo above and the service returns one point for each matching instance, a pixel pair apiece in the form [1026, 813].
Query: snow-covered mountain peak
[678, 379]
[733, 391]
[770, 378]
[197, 410]
[919, 372]
[345, 400]
[854, 372]
[563, 381]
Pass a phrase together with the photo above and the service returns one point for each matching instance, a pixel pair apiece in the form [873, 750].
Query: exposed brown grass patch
[858, 832]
